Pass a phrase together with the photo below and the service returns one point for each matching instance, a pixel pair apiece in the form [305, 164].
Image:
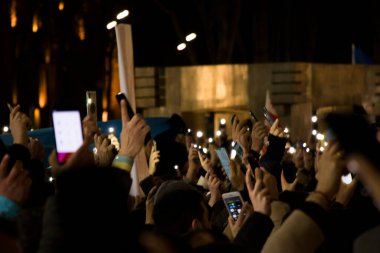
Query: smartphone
[224, 160]
[234, 203]
[268, 116]
[238, 149]
[91, 105]
[68, 135]
[253, 117]
[120, 96]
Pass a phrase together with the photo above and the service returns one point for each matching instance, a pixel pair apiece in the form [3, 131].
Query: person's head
[180, 208]
[178, 125]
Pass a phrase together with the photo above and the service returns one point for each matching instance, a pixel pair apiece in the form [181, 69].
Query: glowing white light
[233, 144]
[111, 130]
[94, 150]
[122, 14]
[89, 101]
[181, 46]
[308, 150]
[51, 179]
[326, 144]
[286, 130]
[233, 154]
[191, 36]
[222, 121]
[304, 145]
[314, 119]
[347, 179]
[218, 133]
[199, 134]
[210, 140]
[314, 132]
[320, 137]
[111, 25]
[195, 146]
[205, 150]
[292, 150]
[321, 149]
[176, 167]
[31, 129]
[189, 130]
[5, 129]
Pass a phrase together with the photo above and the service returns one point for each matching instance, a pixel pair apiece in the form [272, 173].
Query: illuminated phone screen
[234, 206]
[67, 133]
[224, 160]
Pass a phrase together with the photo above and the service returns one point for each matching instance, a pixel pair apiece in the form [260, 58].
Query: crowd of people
[296, 195]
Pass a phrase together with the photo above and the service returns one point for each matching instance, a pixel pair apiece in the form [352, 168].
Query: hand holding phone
[268, 116]
[234, 203]
[121, 96]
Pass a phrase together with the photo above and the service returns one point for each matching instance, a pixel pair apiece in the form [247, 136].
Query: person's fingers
[231, 221]
[124, 113]
[201, 157]
[259, 174]
[152, 192]
[248, 179]
[106, 142]
[274, 126]
[15, 171]
[233, 167]
[15, 110]
[110, 147]
[4, 166]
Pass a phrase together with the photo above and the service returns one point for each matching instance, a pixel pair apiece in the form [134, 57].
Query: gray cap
[171, 186]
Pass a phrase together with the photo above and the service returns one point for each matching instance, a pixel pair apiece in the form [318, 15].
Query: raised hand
[330, 167]
[205, 162]
[154, 158]
[89, 129]
[36, 149]
[19, 124]
[245, 213]
[259, 194]
[288, 186]
[237, 175]
[276, 130]
[259, 132]
[132, 134]
[14, 185]
[214, 185]
[104, 151]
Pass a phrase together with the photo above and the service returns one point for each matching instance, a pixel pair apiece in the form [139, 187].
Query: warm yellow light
[104, 116]
[35, 24]
[37, 117]
[81, 29]
[42, 94]
[14, 95]
[47, 56]
[13, 14]
[61, 6]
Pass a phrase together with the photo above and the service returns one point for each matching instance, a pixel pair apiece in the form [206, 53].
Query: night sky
[228, 31]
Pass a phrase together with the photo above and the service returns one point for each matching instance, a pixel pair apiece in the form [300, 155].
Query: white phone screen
[67, 133]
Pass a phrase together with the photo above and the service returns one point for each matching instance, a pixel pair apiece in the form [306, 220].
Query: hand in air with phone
[154, 158]
[133, 132]
[241, 133]
[237, 175]
[276, 130]
[214, 185]
[105, 151]
[205, 162]
[19, 124]
[259, 132]
[259, 193]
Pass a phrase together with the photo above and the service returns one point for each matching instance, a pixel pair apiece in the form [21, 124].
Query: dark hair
[174, 212]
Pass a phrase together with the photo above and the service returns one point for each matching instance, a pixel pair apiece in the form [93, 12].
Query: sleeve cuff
[8, 208]
[123, 162]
